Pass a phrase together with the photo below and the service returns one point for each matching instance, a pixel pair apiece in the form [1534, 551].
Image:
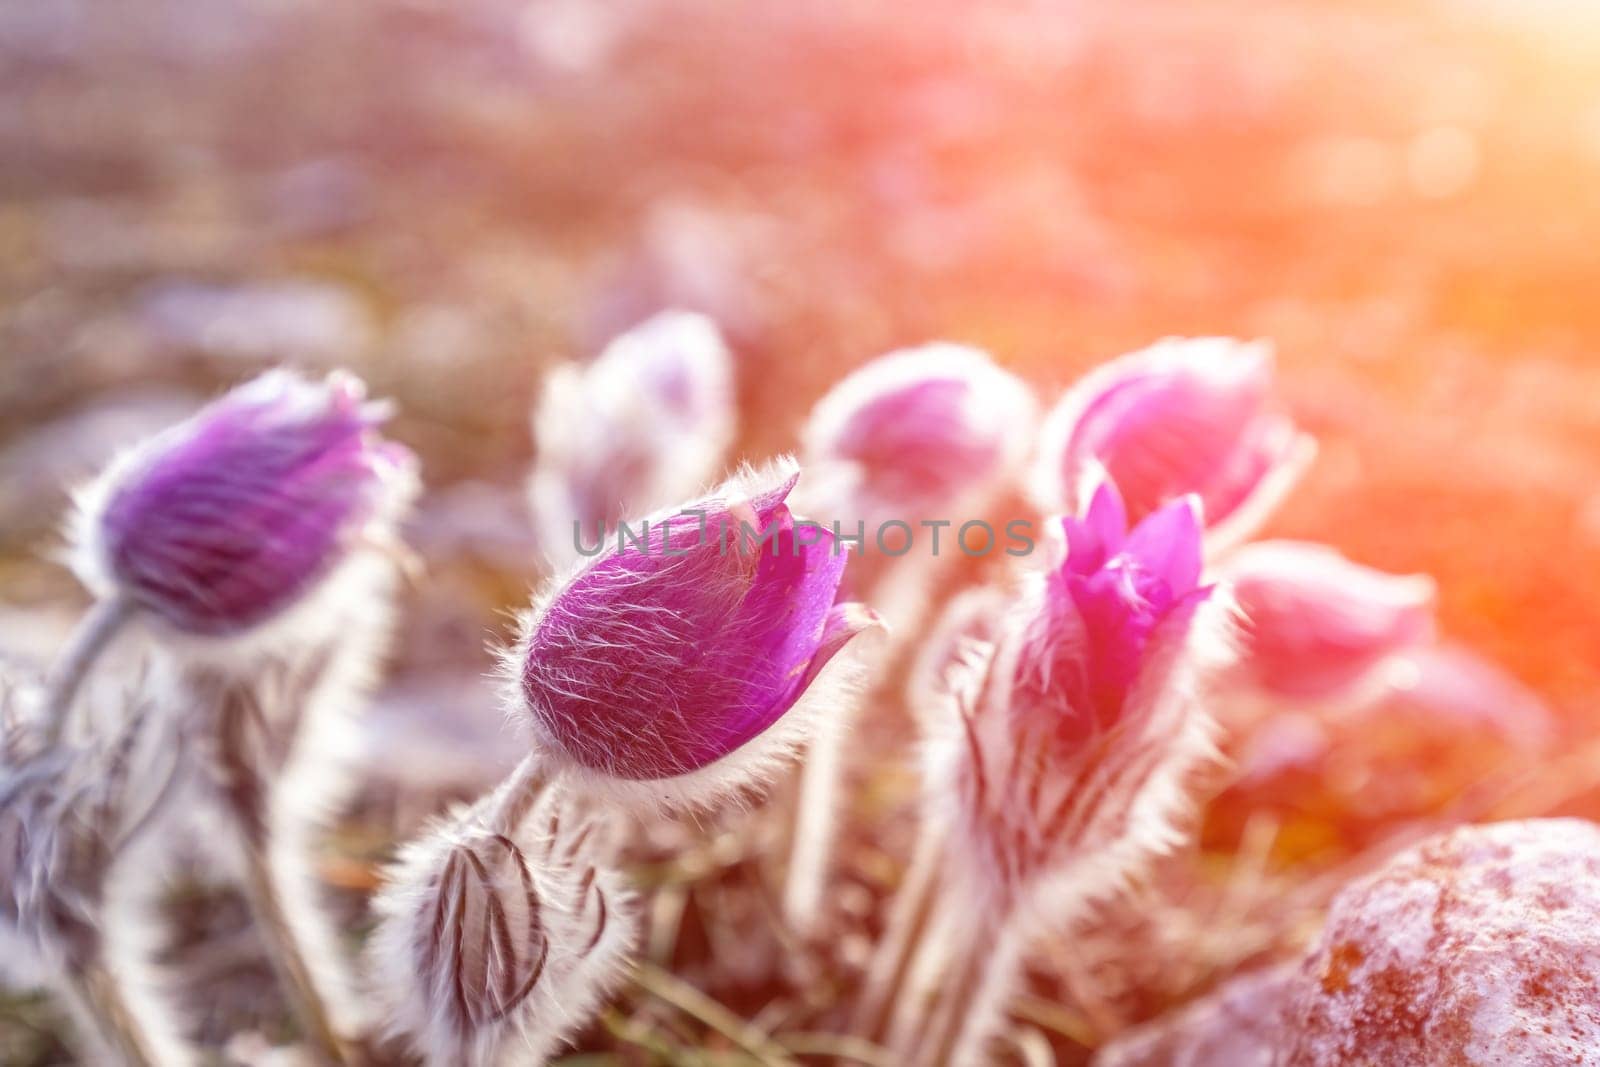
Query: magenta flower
[1319, 628]
[1183, 416]
[229, 518]
[1081, 657]
[915, 434]
[1093, 680]
[645, 425]
[658, 660]
[1075, 750]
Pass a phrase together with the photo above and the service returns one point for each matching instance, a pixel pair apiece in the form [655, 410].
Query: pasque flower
[643, 426]
[1086, 714]
[501, 930]
[662, 659]
[229, 518]
[1182, 416]
[1318, 628]
[1070, 759]
[915, 434]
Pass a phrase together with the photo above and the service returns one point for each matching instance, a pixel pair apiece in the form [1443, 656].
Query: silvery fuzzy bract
[501, 930]
[1074, 741]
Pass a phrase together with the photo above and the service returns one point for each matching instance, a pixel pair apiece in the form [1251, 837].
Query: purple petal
[1186, 417]
[1168, 544]
[233, 515]
[650, 665]
[1098, 536]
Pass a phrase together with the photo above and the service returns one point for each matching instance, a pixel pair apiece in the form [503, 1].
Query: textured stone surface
[1479, 947]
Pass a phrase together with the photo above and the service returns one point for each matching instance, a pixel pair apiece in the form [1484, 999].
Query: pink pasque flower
[1318, 628]
[661, 659]
[232, 516]
[1081, 731]
[1182, 416]
[915, 434]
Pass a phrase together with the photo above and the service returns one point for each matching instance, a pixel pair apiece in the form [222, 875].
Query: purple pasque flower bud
[645, 425]
[916, 434]
[229, 518]
[1074, 742]
[1319, 629]
[1182, 416]
[658, 662]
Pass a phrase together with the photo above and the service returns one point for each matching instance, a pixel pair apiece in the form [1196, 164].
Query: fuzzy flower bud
[1078, 735]
[501, 931]
[665, 657]
[231, 517]
[916, 434]
[1182, 416]
[643, 426]
[1320, 629]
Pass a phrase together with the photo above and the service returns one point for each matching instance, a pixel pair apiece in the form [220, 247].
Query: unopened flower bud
[501, 931]
[689, 651]
[1318, 628]
[918, 433]
[643, 426]
[231, 517]
[1182, 416]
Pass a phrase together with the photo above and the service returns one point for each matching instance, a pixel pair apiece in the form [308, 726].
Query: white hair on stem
[1035, 846]
[282, 731]
[997, 408]
[82, 862]
[502, 929]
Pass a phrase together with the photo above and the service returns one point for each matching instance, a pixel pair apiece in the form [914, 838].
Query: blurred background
[449, 196]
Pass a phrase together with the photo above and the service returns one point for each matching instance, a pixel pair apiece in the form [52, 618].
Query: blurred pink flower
[915, 434]
[656, 661]
[233, 515]
[643, 426]
[1182, 416]
[1320, 629]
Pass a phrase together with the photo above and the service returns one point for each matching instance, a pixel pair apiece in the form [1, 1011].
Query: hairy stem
[97, 998]
[974, 999]
[93, 635]
[815, 826]
[289, 960]
[243, 743]
[909, 917]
